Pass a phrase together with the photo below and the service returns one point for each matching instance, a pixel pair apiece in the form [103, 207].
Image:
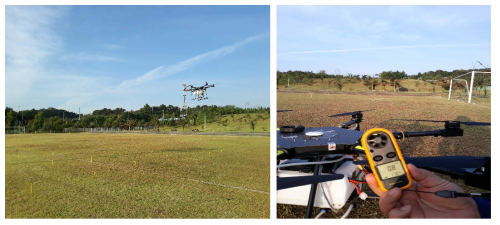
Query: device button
[391, 155]
[377, 158]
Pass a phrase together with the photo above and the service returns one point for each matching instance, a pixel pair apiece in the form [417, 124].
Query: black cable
[421, 191]
[454, 194]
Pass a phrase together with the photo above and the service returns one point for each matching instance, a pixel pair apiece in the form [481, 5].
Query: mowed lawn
[136, 176]
[313, 111]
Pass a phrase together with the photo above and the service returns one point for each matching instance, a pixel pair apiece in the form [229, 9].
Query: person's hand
[410, 204]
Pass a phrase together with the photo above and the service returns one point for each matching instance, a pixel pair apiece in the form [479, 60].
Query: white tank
[337, 191]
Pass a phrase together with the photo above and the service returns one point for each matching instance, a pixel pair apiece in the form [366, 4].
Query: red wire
[357, 188]
[353, 182]
[356, 181]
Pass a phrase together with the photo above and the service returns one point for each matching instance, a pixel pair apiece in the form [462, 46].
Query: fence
[72, 130]
[15, 130]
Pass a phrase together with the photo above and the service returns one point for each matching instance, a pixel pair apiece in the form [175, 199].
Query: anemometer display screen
[390, 170]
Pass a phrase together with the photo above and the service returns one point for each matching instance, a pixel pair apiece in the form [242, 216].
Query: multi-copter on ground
[324, 155]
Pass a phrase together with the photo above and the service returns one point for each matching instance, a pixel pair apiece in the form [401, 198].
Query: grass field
[136, 176]
[313, 111]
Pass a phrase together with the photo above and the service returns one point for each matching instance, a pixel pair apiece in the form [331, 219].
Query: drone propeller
[447, 121]
[350, 113]
[285, 110]
[289, 182]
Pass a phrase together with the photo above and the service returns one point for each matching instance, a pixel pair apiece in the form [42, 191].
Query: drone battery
[386, 160]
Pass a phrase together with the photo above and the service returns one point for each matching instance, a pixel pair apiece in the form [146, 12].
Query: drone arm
[348, 124]
[406, 134]
[447, 132]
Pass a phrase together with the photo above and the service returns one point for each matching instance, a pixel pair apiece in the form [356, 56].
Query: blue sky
[372, 39]
[126, 56]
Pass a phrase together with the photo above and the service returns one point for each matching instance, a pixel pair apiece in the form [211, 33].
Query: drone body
[200, 93]
[305, 160]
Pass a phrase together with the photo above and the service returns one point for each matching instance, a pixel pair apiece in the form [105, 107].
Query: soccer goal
[474, 80]
[15, 130]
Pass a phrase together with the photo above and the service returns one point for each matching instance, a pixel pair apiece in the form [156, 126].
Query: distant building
[167, 119]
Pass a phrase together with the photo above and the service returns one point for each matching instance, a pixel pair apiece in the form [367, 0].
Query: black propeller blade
[285, 110]
[445, 121]
[290, 182]
[350, 113]
[475, 123]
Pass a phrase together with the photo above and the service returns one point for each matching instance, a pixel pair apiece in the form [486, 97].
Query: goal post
[15, 130]
[465, 79]
[472, 82]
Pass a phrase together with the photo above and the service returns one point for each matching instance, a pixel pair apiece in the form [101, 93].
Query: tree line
[384, 78]
[52, 119]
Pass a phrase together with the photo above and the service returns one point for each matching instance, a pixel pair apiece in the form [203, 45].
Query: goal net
[474, 86]
[14, 129]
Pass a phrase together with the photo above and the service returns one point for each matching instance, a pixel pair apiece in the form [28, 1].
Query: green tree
[374, 83]
[425, 77]
[253, 124]
[109, 122]
[155, 120]
[225, 122]
[183, 122]
[85, 122]
[339, 83]
[11, 118]
[38, 121]
[322, 74]
[99, 121]
[367, 82]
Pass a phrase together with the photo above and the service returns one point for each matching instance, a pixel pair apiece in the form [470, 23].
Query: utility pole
[78, 113]
[288, 83]
[163, 118]
[19, 124]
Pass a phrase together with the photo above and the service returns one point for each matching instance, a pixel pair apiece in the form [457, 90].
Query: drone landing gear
[312, 194]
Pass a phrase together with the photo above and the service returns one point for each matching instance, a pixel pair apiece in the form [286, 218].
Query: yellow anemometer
[386, 160]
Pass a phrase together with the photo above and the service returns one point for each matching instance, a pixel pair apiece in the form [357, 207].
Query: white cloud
[162, 71]
[29, 42]
[113, 47]
[409, 37]
[131, 85]
[83, 56]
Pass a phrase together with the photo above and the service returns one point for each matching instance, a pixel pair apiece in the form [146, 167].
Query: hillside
[237, 123]
[357, 86]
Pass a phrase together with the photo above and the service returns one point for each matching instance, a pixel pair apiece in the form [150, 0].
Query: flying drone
[321, 166]
[200, 93]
